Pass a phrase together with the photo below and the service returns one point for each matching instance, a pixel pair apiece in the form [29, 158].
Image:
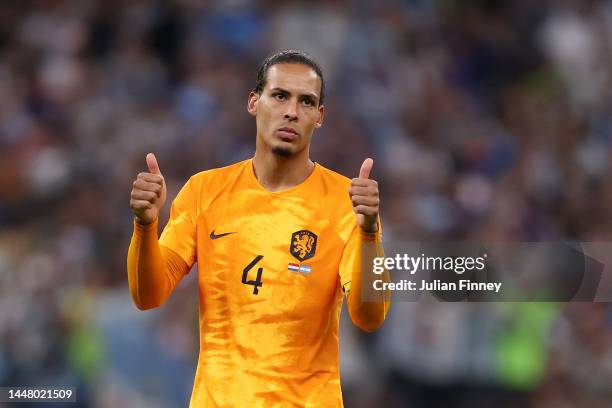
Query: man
[278, 239]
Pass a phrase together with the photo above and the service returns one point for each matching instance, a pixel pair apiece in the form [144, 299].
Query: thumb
[152, 164]
[366, 168]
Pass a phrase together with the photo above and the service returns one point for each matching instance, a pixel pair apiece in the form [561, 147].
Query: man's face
[288, 110]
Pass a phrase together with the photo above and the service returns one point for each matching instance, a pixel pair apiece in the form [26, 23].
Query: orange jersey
[272, 267]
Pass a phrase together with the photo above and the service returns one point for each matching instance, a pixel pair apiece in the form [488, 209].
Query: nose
[291, 112]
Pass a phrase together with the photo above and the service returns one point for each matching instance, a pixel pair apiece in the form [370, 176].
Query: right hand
[148, 193]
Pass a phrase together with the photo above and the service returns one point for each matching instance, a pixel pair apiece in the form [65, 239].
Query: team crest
[303, 245]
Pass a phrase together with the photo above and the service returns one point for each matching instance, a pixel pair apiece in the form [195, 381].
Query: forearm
[153, 271]
[367, 307]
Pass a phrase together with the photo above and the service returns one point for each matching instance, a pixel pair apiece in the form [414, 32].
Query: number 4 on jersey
[257, 282]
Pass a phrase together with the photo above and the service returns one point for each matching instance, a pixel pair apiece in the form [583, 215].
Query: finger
[366, 168]
[152, 164]
[366, 210]
[140, 205]
[143, 195]
[151, 178]
[365, 200]
[358, 182]
[364, 191]
[140, 184]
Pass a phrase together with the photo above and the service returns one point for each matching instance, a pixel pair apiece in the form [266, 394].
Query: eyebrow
[310, 95]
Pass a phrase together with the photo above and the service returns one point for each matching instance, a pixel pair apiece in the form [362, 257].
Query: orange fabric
[153, 271]
[360, 249]
[268, 332]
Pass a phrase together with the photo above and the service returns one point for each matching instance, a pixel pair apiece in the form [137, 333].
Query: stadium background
[488, 120]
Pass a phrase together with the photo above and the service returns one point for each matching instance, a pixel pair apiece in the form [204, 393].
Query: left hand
[364, 196]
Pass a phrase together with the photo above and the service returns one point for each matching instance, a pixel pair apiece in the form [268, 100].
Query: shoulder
[337, 204]
[334, 180]
[218, 176]
[205, 186]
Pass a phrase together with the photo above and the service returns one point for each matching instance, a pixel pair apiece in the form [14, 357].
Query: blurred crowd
[488, 120]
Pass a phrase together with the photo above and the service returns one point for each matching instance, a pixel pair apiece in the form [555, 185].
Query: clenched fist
[148, 193]
[364, 196]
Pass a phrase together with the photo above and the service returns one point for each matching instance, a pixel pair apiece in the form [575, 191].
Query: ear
[319, 122]
[252, 103]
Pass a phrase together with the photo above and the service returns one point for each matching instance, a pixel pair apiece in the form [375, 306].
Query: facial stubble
[282, 151]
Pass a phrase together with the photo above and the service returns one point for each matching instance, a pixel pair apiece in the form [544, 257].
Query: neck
[277, 173]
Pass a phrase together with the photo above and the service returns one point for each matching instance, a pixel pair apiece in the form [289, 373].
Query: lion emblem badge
[303, 245]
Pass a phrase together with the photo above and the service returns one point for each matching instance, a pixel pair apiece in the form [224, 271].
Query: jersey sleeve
[351, 256]
[153, 270]
[367, 310]
[179, 234]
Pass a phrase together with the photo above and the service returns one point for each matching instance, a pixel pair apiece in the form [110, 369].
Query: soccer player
[279, 240]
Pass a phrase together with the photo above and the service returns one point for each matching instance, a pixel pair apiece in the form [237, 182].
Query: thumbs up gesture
[148, 193]
[364, 196]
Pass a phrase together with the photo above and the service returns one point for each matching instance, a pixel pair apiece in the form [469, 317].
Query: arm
[366, 306]
[153, 270]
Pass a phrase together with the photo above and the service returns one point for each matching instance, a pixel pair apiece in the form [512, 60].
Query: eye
[279, 96]
[308, 102]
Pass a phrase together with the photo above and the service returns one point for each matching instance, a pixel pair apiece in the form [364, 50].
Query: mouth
[287, 134]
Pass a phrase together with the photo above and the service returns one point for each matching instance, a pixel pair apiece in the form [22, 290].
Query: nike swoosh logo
[213, 236]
